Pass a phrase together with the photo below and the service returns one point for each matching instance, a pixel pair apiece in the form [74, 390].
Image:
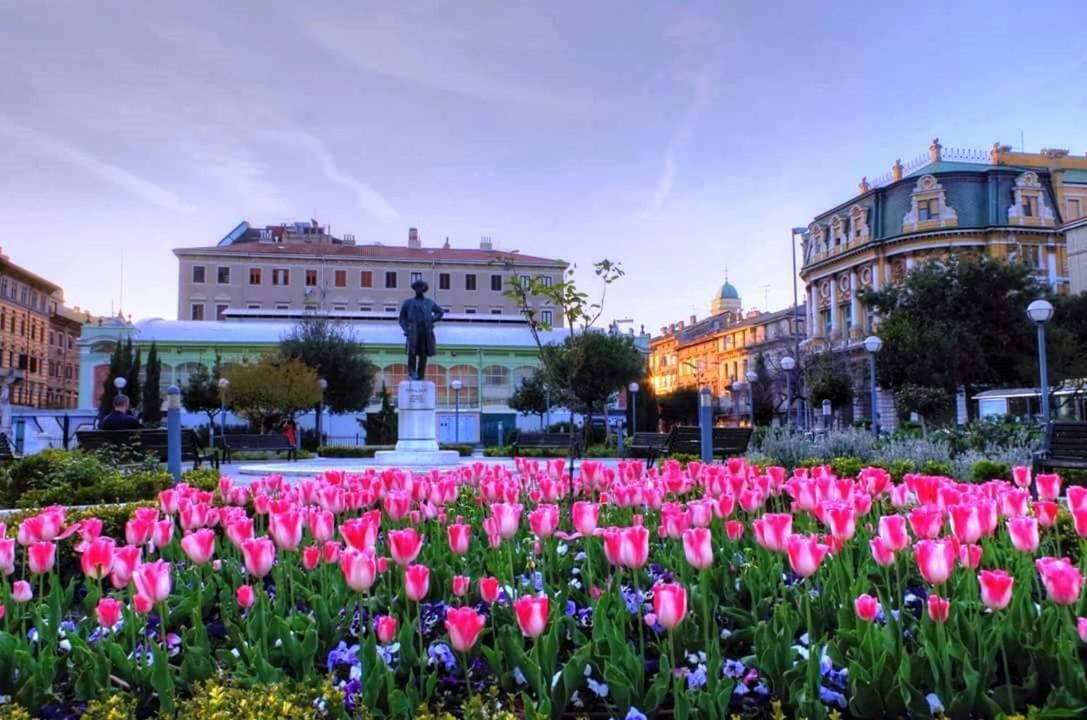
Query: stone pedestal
[417, 429]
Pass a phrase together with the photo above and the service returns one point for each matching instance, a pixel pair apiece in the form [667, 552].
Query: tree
[763, 402]
[120, 365]
[647, 407]
[531, 397]
[679, 407]
[1066, 344]
[152, 398]
[331, 349]
[274, 387]
[201, 392]
[381, 427]
[132, 376]
[826, 375]
[927, 402]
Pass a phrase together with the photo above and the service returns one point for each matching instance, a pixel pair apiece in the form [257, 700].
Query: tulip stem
[1007, 674]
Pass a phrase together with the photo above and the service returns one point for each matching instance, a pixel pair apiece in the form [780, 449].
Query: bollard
[173, 432]
[705, 423]
[500, 435]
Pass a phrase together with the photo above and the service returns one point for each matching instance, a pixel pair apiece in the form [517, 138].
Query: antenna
[1022, 141]
[765, 297]
[121, 304]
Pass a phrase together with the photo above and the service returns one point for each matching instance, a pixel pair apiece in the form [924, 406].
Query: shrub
[206, 479]
[985, 470]
[351, 451]
[847, 467]
[290, 700]
[938, 467]
[898, 468]
[601, 451]
[111, 487]
[114, 707]
[463, 449]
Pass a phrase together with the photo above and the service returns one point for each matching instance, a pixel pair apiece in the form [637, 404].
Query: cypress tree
[132, 376]
[152, 399]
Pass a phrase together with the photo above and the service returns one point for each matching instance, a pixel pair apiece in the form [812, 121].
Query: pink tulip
[841, 518]
[772, 530]
[239, 530]
[460, 536]
[386, 629]
[734, 530]
[884, 556]
[245, 596]
[199, 545]
[397, 503]
[1077, 497]
[805, 554]
[1049, 486]
[1021, 475]
[1081, 628]
[142, 604]
[938, 608]
[996, 588]
[461, 583]
[311, 557]
[1023, 532]
[585, 516]
[108, 612]
[21, 591]
[532, 614]
[698, 548]
[162, 532]
[935, 559]
[544, 520]
[926, 521]
[322, 525]
[41, 557]
[286, 529]
[330, 552]
[404, 545]
[1046, 512]
[97, 558]
[153, 580]
[669, 604]
[634, 549]
[970, 556]
[507, 517]
[866, 607]
[168, 501]
[463, 625]
[259, 555]
[416, 582]
[359, 569]
[966, 523]
[125, 560]
[359, 533]
[1062, 580]
[488, 589]
[7, 555]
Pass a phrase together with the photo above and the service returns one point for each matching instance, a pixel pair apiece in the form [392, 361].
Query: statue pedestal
[417, 429]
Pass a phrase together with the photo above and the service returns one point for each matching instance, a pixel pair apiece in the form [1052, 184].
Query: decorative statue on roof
[417, 317]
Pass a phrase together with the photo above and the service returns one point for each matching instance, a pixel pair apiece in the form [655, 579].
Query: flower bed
[697, 591]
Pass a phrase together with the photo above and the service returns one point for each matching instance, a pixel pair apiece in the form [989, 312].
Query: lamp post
[736, 404]
[119, 383]
[173, 431]
[1040, 312]
[633, 390]
[752, 378]
[456, 386]
[788, 364]
[796, 305]
[223, 385]
[705, 423]
[873, 344]
[323, 384]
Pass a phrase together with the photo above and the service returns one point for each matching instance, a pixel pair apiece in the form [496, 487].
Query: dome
[729, 292]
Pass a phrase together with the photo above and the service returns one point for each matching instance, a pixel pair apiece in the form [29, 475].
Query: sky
[681, 139]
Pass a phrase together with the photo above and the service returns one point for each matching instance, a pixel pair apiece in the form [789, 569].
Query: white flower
[355, 673]
[563, 549]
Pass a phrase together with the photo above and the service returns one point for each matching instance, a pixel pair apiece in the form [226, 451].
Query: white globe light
[456, 385]
[752, 376]
[873, 344]
[633, 387]
[787, 363]
[1040, 311]
[120, 383]
[224, 383]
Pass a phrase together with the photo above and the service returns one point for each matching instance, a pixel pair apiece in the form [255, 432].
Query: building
[1011, 205]
[37, 340]
[1076, 237]
[490, 356]
[720, 350]
[300, 266]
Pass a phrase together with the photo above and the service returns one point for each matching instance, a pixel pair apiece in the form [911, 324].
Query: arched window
[469, 378]
[496, 383]
[183, 371]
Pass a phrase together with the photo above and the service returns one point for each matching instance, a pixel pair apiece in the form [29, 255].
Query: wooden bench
[546, 441]
[649, 445]
[266, 442]
[726, 442]
[7, 452]
[150, 442]
[1065, 447]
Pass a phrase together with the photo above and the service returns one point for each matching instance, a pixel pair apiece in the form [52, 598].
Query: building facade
[300, 266]
[1010, 205]
[720, 350]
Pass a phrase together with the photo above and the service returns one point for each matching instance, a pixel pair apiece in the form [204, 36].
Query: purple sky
[678, 138]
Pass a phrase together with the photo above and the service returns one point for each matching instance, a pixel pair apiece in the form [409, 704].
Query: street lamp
[633, 390]
[788, 364]
[120, 383]
[323, 384]
[873, 345]
[223, 385]
[752, 378]
[1040, 312]
[736, 404]
[456, 386]
[796, 305]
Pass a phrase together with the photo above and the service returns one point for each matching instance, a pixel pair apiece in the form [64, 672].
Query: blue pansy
[734, 669]
[831, 697]
[440, 652]
[635, 714]
[697, 678]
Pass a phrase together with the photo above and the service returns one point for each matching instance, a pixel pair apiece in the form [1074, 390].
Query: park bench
[546, 441]
[149, 442]
[726, 442]
[7, 452]
[266, 442]
[649, 445]
[1065, 447]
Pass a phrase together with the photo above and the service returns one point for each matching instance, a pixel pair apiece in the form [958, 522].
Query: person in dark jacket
[119, 419]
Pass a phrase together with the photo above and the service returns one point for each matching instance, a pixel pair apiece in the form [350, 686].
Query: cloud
[47, 145]
[681, 136]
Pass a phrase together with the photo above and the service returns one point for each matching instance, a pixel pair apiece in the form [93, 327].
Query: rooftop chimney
[413, 238]
[864, 186]
[694, 319]
[485, 243]
[896, 171]
[934, 150]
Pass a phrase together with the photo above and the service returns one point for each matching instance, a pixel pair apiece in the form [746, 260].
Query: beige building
[1076, 233]
[270, 270]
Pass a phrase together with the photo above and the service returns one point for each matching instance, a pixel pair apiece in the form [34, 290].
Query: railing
[971, 155]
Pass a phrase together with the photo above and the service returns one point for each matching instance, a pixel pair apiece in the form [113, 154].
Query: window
[416, 277]
[1074, 208]
[196, 311]
[254, 276]
[282, 306]
[281, 276]
[470, 281]
[548, 280]
[496, 311]
[253, 306]
[220, 312]
[443, 281]
[825, 313]
[311, 278]
[847, 316]
[390, 308]
[366, 308]
[366, 279]
[547, 317]
[1035, 255]
[526, 280]
[1030, 206]
[496, 283]
[340, 278]
[390, 279]
[928, 209]
[222, 275]
[339, 308]
[469, 310]
[198, 274]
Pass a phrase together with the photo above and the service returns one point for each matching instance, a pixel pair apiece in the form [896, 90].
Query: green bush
[112, 487]
[463, 449]
[206, 479]
[250, 455]
[938, 467]
[985, 470]
[847, 467]
[600, 451]
[898, 468]
[291, 700]
[351, 451]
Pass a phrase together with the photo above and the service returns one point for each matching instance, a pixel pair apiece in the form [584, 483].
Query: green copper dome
[728, 292]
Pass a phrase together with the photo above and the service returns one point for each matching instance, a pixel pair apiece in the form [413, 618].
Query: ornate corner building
[1016, 206]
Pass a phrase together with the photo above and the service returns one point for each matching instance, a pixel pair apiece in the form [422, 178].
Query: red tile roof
[381, 252]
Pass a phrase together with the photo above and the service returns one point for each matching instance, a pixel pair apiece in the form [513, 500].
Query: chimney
[896, 171]
[694, 319]
[485, 243]
[664, 329]
[413, 238]
[934, 150]
[864, 186]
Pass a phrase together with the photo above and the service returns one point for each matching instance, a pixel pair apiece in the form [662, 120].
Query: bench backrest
[152, 441]
[254, 441]
[556, 440]
[687, 439]
[1067, 440]
[650, 440]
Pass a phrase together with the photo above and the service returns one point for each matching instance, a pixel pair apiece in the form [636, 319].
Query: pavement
[246, 471]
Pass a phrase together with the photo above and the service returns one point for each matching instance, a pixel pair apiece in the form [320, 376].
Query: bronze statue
[417, 317]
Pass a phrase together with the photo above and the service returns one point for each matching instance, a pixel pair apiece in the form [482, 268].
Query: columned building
[1016, 206]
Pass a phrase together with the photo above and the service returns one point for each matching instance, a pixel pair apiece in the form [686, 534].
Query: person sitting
[119, 419]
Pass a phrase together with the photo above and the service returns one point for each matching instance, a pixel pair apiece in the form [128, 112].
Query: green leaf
[162, 680]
